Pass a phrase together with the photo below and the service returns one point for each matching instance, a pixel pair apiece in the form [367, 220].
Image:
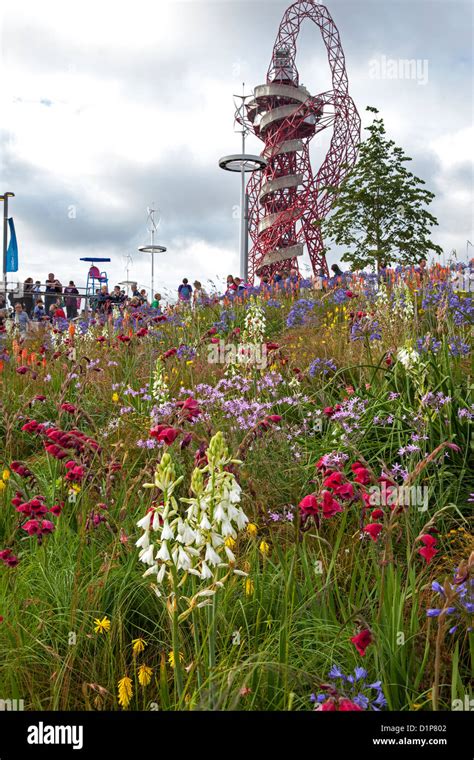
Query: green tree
[380, 209]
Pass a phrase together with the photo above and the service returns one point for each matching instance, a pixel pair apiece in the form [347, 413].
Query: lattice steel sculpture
[287, 201]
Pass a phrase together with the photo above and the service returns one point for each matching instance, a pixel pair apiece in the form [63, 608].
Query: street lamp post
[243, 162]
[5, 198]
[152, 248]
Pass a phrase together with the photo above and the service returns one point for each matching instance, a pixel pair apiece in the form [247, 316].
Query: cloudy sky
[107, 107]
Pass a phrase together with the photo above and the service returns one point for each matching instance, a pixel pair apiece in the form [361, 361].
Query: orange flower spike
[44, 362]
[72, 329]
[24, 354]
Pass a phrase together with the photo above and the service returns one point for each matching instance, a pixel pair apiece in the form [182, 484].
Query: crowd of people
[46, 303]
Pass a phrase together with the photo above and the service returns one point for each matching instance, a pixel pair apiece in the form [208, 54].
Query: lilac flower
[299, 312]
[321, 367]
[353, 687]
[457, 347]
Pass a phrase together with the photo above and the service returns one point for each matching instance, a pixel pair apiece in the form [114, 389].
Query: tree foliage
[380, 209]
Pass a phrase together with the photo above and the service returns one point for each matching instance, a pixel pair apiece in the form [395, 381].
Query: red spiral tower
[288, 201]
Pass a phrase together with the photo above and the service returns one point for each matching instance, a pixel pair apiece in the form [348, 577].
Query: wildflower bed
[291, 534]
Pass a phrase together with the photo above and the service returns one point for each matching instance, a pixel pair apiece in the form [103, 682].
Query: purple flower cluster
[299, 312]
[367, 696]
[461, 600]
[428, 344]
[321, 367]
[339, 296]
[457, 347]
[185, 352]
[366, 328]
[350, 413]
[435, 400]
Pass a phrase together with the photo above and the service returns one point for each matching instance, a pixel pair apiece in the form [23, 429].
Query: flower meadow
[180, 533]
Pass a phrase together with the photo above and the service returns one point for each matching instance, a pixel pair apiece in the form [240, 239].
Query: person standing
[22, 320]
[155, 304]
[28, 286]
[200, 296]
[39, 313]
[185, 291]
[50, 292]
[70, 299]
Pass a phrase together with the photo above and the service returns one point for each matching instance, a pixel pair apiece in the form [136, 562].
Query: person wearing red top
[56, 312]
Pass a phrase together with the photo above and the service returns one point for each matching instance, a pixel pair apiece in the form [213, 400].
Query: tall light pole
[152, 248]
[5, 198]
[243, 163]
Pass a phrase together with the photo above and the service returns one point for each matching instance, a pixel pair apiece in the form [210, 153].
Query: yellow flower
[125, 691]
[264, 547]
[171, 658]
[102, 626]
[115, 397]
[252, 529]
[190, 361]
[138, 645]
[75, 487]
[230, 542]
[2, 485]
[144, 675]
[249, 586]
[6, 474]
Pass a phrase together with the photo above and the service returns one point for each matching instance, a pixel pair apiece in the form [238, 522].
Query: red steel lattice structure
[287, 201]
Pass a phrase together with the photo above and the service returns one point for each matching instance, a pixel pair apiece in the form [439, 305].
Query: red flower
[32, 527]
[212, 330]
[427, 552]
[328, 706]
[56, 509]
[273, 417]
[330, 505]
[190, 408]
[75, 472]
[272, 346]
[21, 470]
[22, 370]
[142, 332]
[39, 398]
[373, 529]
[362, 475]
[346, 491]
[362, 641]
[30, 426]
[156, 431]
[428, 540]
[349, 294]
[377, 514]
[70, 408]
[215, 340]
[309, 505]
[56, 451]
[334, 479]
[170, 352]
[346, 705]
[168, 435]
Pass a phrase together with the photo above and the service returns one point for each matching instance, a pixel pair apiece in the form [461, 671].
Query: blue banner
[12, 250]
